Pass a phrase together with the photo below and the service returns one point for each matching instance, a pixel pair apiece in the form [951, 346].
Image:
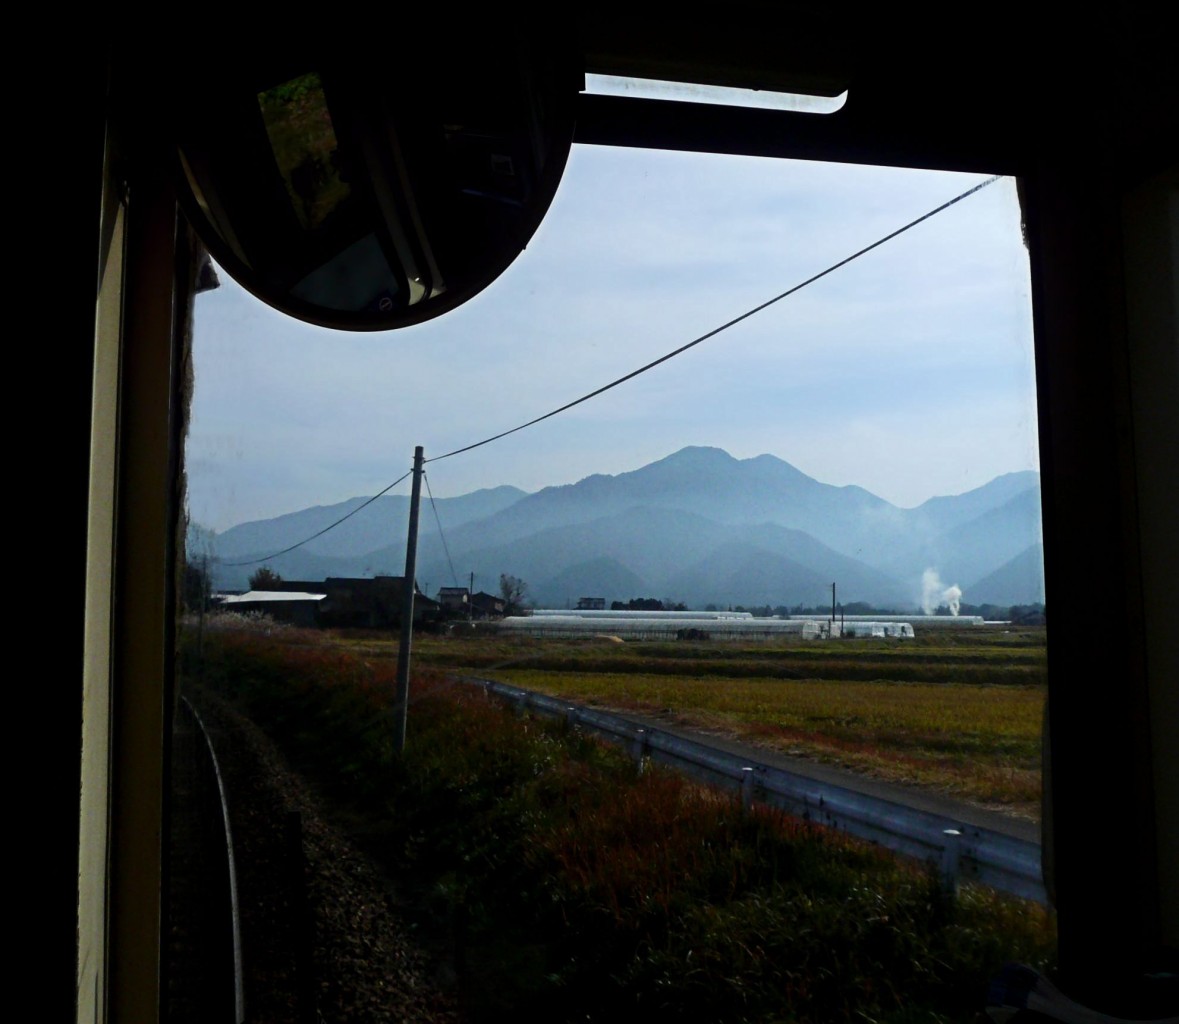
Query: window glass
[842, 486]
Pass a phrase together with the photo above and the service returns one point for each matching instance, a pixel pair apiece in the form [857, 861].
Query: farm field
[552, 878]
[956, 711]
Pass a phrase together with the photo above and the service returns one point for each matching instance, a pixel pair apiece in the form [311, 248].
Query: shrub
[577, 886]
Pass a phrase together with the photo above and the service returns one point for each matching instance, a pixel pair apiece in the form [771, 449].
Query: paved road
[911, 796]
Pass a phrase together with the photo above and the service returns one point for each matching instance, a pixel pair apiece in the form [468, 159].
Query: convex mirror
[379, 186]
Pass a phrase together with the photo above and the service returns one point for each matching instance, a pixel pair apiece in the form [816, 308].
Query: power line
[723, 327]
[306, 540]
[445, 547]
[630, 376]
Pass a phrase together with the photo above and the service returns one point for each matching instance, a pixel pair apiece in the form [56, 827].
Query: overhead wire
[723, 327]
[445, 546]
[634, 373]
[320, 533]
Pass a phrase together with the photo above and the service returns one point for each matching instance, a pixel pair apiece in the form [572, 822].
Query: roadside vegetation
[569, 885]
[966, 740]
[956, 711]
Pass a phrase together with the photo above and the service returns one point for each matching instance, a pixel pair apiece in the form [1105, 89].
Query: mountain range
[698, 526]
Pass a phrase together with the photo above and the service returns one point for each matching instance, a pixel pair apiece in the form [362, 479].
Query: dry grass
[579, 888]
[956, 711]
[980, 742]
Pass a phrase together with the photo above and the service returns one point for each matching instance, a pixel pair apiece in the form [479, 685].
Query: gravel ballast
[321, 937]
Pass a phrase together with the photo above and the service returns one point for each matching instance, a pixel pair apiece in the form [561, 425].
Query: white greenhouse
[654, 626]
[670, 616]
[683, 626]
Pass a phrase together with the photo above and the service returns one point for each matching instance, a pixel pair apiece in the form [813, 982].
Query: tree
[264, 579]
[195, 586]
[513, 590]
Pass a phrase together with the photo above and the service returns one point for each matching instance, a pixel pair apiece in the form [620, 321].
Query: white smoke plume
[952, 596]
[934, 593]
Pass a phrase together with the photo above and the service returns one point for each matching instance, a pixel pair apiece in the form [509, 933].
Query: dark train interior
[1083, 109]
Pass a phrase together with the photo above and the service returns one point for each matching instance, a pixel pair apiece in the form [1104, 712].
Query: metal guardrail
[961, 851]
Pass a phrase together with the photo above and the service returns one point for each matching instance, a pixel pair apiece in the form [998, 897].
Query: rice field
[975, 741]
[959, 712]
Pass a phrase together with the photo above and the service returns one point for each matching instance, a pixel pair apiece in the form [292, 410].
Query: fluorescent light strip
[686, 92]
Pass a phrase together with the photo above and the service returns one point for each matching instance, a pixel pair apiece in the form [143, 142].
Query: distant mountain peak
[702, 454]
[715, 458]
[676, 526]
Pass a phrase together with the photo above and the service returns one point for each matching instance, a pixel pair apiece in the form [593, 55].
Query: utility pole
[401, 699]
[832, 609]
[470, 599]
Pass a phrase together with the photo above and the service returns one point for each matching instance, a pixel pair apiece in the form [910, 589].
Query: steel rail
[961, 851]
[239, 1002]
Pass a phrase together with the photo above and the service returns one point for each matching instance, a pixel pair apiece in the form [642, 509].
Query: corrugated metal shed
[270, 596]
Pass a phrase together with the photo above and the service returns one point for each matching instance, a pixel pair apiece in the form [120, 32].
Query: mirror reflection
[379, 195]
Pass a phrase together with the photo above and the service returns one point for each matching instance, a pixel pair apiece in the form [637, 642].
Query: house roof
[274, 596]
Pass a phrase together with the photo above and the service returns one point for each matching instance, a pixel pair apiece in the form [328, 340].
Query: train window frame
[1103, 246]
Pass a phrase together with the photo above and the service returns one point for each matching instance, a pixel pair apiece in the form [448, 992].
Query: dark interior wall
[1086, 114]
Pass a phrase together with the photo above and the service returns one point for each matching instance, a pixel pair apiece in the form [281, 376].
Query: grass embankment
[959, 711]
[578, 888]
[962, 739]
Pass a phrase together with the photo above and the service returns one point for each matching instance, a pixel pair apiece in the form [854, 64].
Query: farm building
[585, 613]
[364, 602]
[900, 630]
[454, 599]
[656, 626]
[924, 621]
[295, 607]
[487, 606]
[719, 625]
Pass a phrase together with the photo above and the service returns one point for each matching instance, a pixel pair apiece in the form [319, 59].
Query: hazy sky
[908, 372]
